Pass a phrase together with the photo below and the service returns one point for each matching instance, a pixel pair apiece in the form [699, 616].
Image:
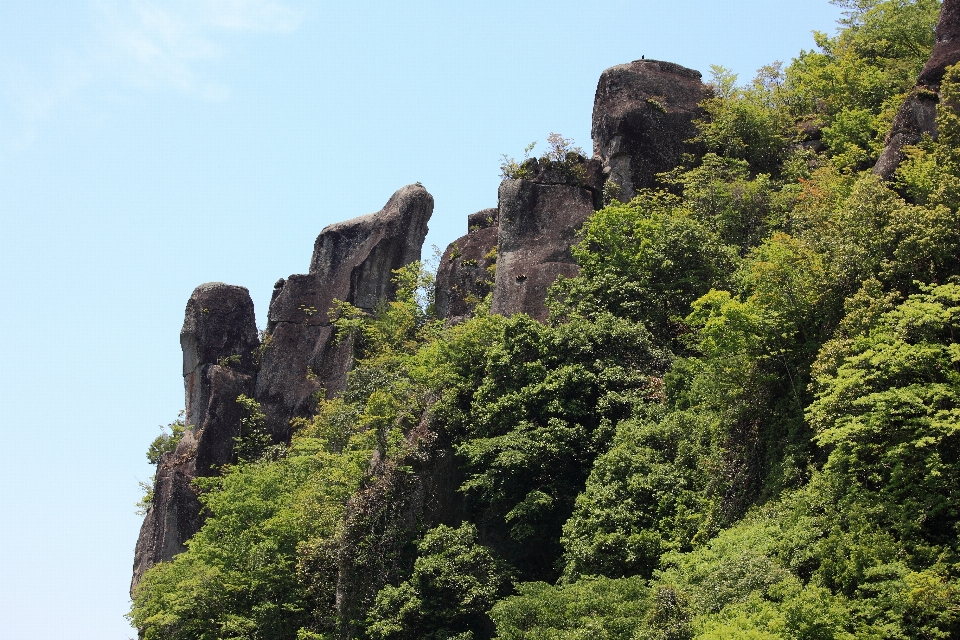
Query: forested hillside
[741, 420]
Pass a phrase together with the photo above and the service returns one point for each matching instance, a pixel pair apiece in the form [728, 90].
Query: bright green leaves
[254, 439]
[454, 582]
[747, 123]
[260, 565]
[166, 442]
[854, 84]
[721, 194]
[645, 496]
[931, 173]
[594, 608]
[645, 260]
[889, 413]
[400, 325]
[545, 408]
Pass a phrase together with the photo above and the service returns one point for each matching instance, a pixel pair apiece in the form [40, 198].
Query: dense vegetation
[742, 421]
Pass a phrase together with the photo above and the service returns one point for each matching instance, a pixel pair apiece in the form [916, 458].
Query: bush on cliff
[741, 420]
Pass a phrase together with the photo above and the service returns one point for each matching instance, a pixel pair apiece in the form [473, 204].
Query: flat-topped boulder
[539, 217]
[643, 116]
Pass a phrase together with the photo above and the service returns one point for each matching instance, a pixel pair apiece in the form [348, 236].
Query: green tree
[455, 581]
[646, 260]
[166, 442]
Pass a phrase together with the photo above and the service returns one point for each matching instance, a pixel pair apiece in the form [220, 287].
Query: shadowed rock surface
[463, 276]
[918, 113]
[643, 114]
[352, 261]
[946, 48]
[539, 217]
[404, 499]
[218, 339]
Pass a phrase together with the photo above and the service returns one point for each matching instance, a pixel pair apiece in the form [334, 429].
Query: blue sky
[149, 146]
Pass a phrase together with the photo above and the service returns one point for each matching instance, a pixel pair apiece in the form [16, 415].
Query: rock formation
[918, 113]
[643, 118]
[946, 48]
[223, 358]
[219, 340]
[464, 273]
[352, 261]
[643, 115]
[539, 218]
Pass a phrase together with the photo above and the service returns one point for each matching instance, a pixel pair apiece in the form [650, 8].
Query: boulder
[219, 342]
[918, 113]
[353, 261]
[539, 216]
[463, 275]
[643, 116]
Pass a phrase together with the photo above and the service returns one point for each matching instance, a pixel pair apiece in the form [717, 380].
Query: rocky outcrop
[464, 273]
[643, 116]
[539, 218]
[223, 358]
[916, 116]
[219, 343]
[946, 48]
[352, 261]
[918, 113]
[403, 498]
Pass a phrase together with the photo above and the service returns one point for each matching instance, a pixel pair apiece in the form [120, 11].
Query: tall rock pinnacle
[353, 261]
[643, 115]
[539, 218]
[219, 338]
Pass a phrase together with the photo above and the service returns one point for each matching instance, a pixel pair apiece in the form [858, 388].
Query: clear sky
[150, 146]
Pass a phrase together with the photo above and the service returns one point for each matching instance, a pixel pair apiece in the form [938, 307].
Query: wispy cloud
[151, 45]
[254, 15]
[167, 43]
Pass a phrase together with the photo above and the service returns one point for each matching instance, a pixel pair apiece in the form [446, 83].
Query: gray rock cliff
[352, 261]
[218, 339]
[539, 217]
[463, 275]
[918, 113]
[223, 357]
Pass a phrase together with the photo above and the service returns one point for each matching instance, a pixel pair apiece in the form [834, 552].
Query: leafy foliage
[454, 582]
[166, 442]
[741, 420]
[243, 572]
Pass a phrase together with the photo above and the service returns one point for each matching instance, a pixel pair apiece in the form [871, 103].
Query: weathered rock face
[916, 116]
[918, 113]
[539, 217]
[946, 49]
[219, 327]
[404, 498]
[352, 261]
[463, 275]
[219, 338]
[643, 115]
